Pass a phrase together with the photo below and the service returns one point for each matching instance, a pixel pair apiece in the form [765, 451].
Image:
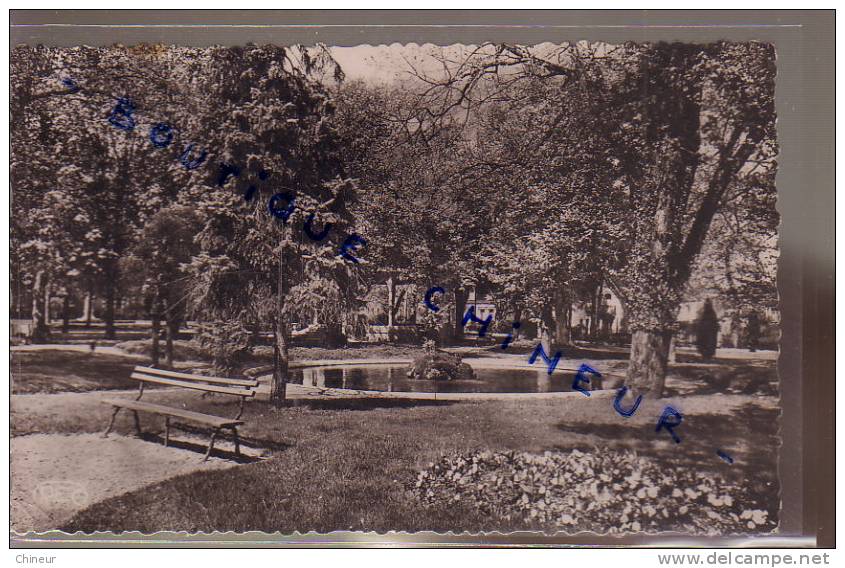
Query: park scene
[468, 288]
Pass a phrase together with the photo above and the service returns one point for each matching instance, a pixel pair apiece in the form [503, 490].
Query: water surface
[390, 378]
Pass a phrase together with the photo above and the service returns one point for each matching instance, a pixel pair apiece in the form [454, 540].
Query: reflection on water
[312, 377]
[544, 381]
[393, 378]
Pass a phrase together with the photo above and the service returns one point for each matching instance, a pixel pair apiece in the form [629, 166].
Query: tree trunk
[564, 337]
[562, 321]
[547, 330]
[47, 297]
[40, 331]
[672, 356]
[88, 308]
[281, 335]
[648, 362]
[391, 300]
[154, 337]
[460, 309]
[66, 313]
[597, 306]
[517, 315]
[281, 360]
[108, 316]
[172, 328]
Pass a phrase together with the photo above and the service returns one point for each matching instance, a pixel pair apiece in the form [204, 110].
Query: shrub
[439, 366]
[227, 342]
[183, 350]
[753, 332]
[707, 330]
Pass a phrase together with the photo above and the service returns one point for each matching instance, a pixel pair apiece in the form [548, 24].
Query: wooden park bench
[242, 388]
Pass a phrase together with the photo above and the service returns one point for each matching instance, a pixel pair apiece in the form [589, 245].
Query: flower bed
[600, 491]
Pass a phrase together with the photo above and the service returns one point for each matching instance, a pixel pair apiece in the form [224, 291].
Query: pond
[390, 378]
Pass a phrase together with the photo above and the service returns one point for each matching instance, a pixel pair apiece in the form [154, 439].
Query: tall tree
[696, 121]
[548, 169]
[419, 209]
[98, 107]
[688, 122]
[275, 211]
[161, 255]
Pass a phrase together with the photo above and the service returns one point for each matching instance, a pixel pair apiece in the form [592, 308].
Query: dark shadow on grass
[701, 436]
[688, 357]
[577, 352]
[732, 378]
[610, 432]
[363, 403]
[598, 352]
[481, 343]
[201, 447]
[60, 370]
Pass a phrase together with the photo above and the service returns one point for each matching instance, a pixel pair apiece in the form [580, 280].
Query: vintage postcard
[470, 288]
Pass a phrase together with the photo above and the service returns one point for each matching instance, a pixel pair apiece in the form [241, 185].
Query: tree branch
[729, 164]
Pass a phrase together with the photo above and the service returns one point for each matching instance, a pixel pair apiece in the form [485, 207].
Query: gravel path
[55, 475]
[81, 347]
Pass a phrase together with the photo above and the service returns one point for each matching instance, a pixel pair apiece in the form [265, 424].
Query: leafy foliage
[537, 174]
[79, 217]
[271, 125]
[603, 490]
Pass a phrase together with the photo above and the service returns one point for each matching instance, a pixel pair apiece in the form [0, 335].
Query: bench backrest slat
[192, 385]
[189, 377]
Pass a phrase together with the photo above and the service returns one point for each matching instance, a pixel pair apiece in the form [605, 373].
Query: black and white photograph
[469, 288]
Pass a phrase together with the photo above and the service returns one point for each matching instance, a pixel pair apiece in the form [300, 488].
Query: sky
[388, 63]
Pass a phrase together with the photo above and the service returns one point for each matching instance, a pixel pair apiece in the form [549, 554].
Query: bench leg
[111, 422]
[166, 430]
[237, 441]
[211, 444]
[137, 422]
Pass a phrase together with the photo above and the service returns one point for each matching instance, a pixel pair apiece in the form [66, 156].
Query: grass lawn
[66, 371]
[348, 464]
[51, 371]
